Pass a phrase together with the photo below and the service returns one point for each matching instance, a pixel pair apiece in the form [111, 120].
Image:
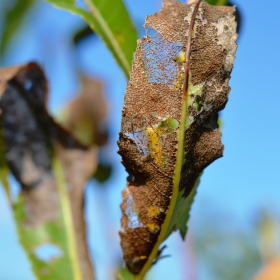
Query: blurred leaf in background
[268, 244]
[268, 235]
[86, 115]
[13, 17]
[271, 271]
[5, 74]
[111, 23]
[103, 172]
[52, 168]
[226, 250]
[83, 32]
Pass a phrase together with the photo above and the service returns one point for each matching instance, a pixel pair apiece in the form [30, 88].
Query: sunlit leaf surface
[111, 21]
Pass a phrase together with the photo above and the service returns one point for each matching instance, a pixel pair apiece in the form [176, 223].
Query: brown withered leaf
[5, 75]
[169, 130]
[32, 140]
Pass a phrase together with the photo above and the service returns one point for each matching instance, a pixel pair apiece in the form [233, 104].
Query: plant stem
[67, 217]
[111, 38]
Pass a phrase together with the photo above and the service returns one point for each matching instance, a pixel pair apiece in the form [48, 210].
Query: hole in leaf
[161, 58]
[132, 213]
[81, 4]
[47, 251]
[198, 104]
[28, 85]
[150, 140]
[141, 141]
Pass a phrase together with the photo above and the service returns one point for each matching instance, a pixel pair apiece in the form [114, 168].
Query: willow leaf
[169, 131]
[52, 168]
[13, 19]
[111, 22]
[4, 170]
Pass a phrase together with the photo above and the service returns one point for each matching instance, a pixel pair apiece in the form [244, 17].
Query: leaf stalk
[67, 217]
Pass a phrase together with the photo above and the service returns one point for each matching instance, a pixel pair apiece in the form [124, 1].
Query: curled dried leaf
[169, 131]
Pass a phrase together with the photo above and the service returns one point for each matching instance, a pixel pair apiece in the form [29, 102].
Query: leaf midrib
[179, 155]
[110, 35]
[106, 34]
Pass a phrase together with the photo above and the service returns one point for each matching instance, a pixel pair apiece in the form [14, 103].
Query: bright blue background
[239, 185]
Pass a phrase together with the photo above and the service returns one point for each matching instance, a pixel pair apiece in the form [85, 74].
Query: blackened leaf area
[33, 141]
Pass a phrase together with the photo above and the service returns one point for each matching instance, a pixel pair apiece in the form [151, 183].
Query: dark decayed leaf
[169, 130]
[5, 75]
[52, 167]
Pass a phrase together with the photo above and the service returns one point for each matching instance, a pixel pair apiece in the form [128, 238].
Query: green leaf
[217, 2]
[13, 20]
[5, 75]
[181, 212]
[124, 274]
[103, 172]
[59, 233]
[82, 33]
[111, 21]
[4, 170]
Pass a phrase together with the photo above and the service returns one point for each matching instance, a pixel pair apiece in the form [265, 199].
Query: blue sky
[239, 185]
